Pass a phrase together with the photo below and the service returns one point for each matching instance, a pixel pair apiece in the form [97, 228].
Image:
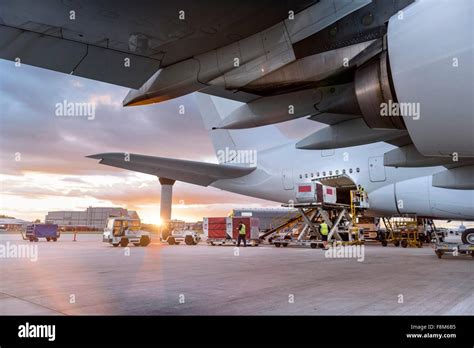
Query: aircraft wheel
[384, 242]
[124, 242]
[467, 236]
[404, 243]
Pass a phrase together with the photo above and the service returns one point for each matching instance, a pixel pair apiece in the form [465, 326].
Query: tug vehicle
[124, 230]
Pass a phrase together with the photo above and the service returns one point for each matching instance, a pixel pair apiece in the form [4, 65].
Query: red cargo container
[221, 230]
[251, 227]
[215, 227]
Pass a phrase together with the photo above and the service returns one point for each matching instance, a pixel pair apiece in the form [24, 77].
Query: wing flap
[76, 58]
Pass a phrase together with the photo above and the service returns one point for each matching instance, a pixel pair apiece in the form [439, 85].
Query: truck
[225, 230]
[124, 230]
[48, 231]
[188, 236]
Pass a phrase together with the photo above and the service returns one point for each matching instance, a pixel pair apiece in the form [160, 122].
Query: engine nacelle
[421, 197]
[430, 48]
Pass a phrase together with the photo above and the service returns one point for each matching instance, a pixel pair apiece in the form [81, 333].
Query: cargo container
[315, 192]
[222, 230]
[48, 231]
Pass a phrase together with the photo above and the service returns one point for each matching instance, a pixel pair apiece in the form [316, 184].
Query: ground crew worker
[361, 192]
[242, 231]
[324, 229]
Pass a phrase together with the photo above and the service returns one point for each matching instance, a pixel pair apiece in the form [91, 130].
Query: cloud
[34, 142]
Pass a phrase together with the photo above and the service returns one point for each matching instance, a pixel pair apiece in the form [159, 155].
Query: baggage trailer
[36, 231]
[225, 230]
[442, 247]
[455, 249]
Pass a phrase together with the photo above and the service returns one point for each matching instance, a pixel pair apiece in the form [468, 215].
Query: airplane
[392, 80]
[264, 163]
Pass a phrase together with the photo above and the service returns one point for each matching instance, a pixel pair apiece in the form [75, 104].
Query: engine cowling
[430, 50]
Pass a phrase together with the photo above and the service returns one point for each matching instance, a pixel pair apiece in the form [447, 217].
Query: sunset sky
[42, 163]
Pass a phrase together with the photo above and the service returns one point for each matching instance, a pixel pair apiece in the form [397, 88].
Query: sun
[153, 220]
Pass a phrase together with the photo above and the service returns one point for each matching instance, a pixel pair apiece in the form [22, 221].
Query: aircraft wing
[198, 173]
[94, 39]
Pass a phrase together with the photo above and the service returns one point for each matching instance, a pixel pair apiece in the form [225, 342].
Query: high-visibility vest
[324, 229]
[242, 229]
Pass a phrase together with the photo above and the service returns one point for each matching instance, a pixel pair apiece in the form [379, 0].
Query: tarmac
[89, 277]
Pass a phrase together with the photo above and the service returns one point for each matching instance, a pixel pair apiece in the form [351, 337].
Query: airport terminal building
[92, 217]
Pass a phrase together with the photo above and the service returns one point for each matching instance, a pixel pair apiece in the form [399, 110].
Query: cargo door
[287, 177]
[376, 169]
